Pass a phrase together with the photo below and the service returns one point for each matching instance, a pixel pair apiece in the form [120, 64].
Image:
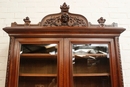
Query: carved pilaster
[120, 75]
[8, 61]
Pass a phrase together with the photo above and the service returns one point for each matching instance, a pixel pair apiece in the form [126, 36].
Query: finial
[64, 7]
[27, 21]
[101, 21]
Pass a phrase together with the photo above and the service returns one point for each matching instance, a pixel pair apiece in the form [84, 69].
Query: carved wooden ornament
[65, 18]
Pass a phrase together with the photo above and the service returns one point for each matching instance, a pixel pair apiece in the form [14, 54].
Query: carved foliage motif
[65, 20]
[75, 21]
[53, 21]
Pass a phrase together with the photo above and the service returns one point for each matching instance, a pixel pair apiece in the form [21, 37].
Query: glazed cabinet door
[92, 62]
[38, 62]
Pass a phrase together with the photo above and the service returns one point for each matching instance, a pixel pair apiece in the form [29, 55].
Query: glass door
[91, 62]
[91, 65]
[39, 63]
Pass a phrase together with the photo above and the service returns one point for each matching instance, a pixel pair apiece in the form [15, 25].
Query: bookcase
[64, 50]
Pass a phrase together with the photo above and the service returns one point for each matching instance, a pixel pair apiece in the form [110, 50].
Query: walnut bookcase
[64, 50]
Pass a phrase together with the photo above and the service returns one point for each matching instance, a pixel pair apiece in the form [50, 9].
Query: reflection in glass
[39, 48]
[38, 65]
[90, 65]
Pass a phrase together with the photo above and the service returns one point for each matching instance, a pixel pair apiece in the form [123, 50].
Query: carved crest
[65, 18]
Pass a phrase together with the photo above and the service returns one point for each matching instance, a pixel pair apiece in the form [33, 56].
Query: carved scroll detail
[64, 19]
[75, 21]
[53, 21]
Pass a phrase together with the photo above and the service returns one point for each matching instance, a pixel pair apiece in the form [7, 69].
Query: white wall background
[113, 10]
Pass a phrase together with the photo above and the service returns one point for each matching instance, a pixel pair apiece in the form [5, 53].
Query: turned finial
[27, 21]
[101, 21]
[64, 7]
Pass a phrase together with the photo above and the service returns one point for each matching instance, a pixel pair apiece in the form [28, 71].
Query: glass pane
[91, 65]
[38, 65]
